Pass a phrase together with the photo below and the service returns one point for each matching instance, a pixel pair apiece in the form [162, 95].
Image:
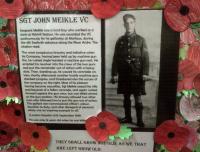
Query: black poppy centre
[171, 135]
[35, 135]
[3, 84]
[184, 10]
[102, 125]
[7, 50]
[17, 112]
[9, 1]
[3, 132]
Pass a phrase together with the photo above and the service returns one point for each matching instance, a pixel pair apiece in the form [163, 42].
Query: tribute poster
[60, 66]
[73, 66]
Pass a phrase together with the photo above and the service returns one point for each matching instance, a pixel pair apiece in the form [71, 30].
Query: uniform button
[129, 56]
[129, 44]
[129, 50]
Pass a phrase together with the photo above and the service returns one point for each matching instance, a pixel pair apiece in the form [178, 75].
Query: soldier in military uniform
[131, 67]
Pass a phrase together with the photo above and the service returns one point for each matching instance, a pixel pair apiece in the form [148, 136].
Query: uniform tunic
[130, 63]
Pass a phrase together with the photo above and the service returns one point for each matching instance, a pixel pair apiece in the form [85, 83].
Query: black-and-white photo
[133, 45]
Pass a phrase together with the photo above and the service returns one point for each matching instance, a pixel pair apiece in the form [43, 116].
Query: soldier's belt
[132, 60]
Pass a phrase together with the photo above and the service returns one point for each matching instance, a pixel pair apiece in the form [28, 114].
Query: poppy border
[168, 72]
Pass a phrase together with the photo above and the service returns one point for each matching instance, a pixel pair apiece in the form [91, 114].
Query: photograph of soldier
[129, 71]
[131, 64]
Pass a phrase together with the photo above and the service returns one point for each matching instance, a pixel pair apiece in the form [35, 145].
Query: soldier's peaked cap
[126, 16]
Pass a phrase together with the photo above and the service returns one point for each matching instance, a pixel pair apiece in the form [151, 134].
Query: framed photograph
[138, 82]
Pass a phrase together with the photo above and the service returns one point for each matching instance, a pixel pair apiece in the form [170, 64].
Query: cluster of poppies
[13, 128]
[9, 80]
[12, 125]
[11, 9]
[189, 71]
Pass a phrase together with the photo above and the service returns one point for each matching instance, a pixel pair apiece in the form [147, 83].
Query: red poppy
[187, 73]
[6, 133]
[139, 3]
[194, 53]
[38, 136]
[187, 37]
[9, 84]
[11, 9]
[106, 8]
[13, 114]
[8, 51]
[102, 126]
[173, 137]
[180, 13]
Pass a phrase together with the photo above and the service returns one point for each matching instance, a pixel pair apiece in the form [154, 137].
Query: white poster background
[37, 110]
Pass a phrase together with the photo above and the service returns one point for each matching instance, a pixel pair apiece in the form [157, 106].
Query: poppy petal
[26, 137]
[106, 114]
[4, 58]
[192, 139]
[188, 69]
[180, 86]
[196, 83]
[147, 3]
[92, 123]
[188, 83]
[174, 18]
[185, 149]
[8, 46]
[4, 88]
[11, 10]
[131, 3]
[81, 4]
[194, 54]
[187, 37]
[100, 134]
